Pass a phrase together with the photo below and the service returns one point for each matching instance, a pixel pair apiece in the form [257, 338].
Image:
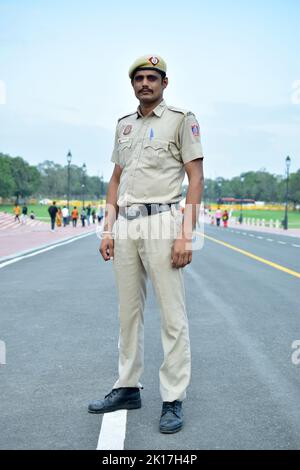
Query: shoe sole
[169, 431]
[129, 406]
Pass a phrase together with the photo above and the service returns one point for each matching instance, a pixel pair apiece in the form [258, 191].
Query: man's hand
[181, 252]
[107, 247]
[111, 210]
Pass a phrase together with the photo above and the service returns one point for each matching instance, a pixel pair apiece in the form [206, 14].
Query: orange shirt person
[74, 215]
[17, 212]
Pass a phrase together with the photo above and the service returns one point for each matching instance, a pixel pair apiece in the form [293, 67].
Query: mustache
[145, 89]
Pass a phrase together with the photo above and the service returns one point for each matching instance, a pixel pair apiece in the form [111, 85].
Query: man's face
[148, 85]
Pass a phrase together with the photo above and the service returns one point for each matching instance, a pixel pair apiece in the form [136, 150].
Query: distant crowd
[61, 217]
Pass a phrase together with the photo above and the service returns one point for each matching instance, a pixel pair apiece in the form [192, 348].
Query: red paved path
[16, 237]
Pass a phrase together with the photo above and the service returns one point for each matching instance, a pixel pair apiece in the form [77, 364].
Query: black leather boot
[171, 417]
[125, 398]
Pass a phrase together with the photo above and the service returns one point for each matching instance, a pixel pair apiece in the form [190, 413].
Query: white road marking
[259, 237]
[48, 248]
[113, 431]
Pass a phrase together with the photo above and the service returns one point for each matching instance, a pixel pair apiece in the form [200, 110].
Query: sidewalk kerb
[20, 254]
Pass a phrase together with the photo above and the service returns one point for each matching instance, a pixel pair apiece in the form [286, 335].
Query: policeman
[154, 148]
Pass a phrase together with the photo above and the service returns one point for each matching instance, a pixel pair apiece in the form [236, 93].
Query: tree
[26, 177]
[53, 179]
[17, 177]
[7, 184]
[294, 189]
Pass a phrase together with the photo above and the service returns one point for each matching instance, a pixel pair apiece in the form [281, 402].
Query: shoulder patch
[126, 115]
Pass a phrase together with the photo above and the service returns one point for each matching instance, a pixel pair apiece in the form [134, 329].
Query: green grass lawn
[293, 216]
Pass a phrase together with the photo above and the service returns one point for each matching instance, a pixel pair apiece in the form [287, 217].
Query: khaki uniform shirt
[152, 151]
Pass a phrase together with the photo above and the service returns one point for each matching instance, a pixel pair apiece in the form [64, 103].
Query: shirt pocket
[124, 150]
[175, 152]
[154, 152]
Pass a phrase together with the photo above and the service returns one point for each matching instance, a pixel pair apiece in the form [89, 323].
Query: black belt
[143, 210]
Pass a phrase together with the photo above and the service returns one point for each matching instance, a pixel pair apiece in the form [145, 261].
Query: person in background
[88, 214]
[32, 215]
[83, 216]
[17, 212]
[74, 216]
[65, 215]
[52, 212]
[218, 216]
[100, 214]
[94, 215]
[24, 214]
[225, 218]
[59, 217]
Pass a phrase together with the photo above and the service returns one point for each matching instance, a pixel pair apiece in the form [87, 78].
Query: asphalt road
[59, 321]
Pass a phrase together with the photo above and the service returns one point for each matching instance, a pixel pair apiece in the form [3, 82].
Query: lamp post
[285, 220]
[69, 159]
[83, 182]
[101, 187]
[205, 197]
[242, 195]
[219, 183]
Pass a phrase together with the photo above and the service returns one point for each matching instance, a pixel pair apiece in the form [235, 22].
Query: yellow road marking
[251, 255]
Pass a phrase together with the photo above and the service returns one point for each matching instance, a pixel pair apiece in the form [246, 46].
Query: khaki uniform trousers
[143, 249]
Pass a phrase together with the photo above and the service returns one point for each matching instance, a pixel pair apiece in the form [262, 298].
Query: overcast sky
[235, 64]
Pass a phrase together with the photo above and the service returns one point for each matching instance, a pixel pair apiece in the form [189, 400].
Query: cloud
[37, 139]
[241, 137]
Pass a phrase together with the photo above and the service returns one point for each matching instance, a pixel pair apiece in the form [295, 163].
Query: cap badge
[154, 60]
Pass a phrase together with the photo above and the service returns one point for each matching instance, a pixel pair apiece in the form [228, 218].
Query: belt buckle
[132, 213]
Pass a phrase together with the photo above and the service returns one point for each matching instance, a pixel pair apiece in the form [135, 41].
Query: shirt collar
[158, 111]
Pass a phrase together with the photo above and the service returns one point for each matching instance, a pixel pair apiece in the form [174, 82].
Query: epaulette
[179, 110]
[126, 115]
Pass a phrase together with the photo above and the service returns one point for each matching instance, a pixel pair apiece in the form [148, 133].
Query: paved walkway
[17, 238]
